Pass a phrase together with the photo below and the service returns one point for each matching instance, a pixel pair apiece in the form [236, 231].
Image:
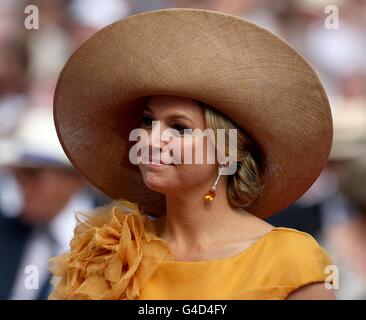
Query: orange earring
[211, 194]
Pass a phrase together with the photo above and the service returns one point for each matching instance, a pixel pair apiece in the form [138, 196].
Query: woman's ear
[229, 164]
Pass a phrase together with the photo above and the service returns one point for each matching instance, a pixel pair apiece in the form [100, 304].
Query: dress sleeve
[298, 260]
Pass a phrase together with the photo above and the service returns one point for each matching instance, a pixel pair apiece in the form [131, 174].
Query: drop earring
[211, 194]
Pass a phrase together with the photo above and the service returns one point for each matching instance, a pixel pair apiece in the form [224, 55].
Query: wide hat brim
[252, 76]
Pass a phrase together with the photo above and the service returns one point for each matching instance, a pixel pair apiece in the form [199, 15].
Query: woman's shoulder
[285, 233]
[292, 246]
[291, 258]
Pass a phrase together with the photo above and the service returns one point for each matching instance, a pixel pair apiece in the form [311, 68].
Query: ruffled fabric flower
[112, 255]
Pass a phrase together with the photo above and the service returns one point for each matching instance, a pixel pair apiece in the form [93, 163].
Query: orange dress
[116, 255]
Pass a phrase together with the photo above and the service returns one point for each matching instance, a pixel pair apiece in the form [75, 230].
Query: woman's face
[176, 113]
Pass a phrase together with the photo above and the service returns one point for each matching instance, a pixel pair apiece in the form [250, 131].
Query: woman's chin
[157, 186]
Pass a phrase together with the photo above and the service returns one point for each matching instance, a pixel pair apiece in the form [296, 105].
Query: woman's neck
[192, 224]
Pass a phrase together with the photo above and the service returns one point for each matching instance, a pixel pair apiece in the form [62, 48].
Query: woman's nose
[158, 141]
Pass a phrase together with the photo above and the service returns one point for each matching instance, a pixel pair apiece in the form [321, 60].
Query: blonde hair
[245, 185]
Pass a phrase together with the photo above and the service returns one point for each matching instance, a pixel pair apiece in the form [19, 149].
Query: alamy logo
[174, 141]
[31, 281]
[332, 278]
[332, 19]
[32, 20]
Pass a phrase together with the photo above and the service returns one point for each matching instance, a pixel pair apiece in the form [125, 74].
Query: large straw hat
[244, 71]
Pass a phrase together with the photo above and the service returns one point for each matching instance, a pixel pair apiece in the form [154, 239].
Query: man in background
[48, 194]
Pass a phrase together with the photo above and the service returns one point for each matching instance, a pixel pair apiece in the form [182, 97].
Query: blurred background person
[347, 239]
[50, 193]
[344, 232]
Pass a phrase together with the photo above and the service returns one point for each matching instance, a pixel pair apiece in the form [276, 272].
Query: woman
[186, 230]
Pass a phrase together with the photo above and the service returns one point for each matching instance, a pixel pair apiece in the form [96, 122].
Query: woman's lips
[153, 164]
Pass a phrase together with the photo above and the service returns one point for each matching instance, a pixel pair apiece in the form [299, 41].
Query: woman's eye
[147, 121]
[180, 128]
